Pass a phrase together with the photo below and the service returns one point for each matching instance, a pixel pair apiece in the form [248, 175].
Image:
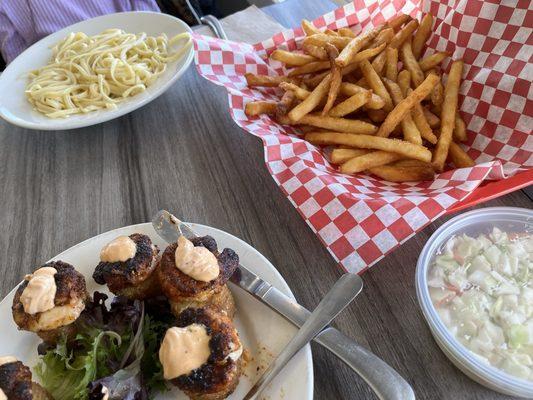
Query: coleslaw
[482, 289]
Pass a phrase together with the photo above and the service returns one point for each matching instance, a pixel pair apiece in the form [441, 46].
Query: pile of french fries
[370, 98]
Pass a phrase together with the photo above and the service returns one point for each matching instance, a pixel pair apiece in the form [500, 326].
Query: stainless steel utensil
[339, 296]
[209, 20]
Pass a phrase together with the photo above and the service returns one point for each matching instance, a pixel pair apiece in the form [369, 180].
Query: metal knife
[384, 380]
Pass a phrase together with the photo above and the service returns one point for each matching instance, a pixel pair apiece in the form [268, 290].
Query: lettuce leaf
[66, 370]
[104, 345]
[126, 383]
[158, 319]
[117, 348]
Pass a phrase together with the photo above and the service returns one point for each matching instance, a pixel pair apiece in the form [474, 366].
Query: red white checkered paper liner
[361, 218]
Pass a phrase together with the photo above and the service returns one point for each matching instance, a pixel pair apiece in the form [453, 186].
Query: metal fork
[209, 20]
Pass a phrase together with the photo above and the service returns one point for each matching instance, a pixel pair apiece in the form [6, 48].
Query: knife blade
[383, 379]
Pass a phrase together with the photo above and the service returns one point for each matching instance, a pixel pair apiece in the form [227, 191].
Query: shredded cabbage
[482, 289]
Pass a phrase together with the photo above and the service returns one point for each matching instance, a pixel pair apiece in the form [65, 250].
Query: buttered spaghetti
[89, 73]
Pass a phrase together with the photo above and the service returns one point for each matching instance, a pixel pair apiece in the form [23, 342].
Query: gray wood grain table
[184, 153]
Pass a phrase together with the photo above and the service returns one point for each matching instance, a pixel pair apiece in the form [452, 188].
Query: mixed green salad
[116, 348]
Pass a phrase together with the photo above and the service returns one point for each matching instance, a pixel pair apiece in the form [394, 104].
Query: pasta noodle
[89, 73]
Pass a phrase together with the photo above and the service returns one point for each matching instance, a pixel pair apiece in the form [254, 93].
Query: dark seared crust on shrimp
[15, 381]
[219, 377]
[70, 288]
[178, 286]
[132, 278]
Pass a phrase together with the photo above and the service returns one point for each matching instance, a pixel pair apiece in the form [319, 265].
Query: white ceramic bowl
[474, 222]
[15, 108]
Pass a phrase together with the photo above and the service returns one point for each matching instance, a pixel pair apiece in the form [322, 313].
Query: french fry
[339, 156]
[336, 78]
[351, 104]
[398, 172]
[347, 89]
[385, 36]
[404, 81]
[363, 55]
[315, 51]
[397, 21]
[283, 120]
[300, 93]
[449, 109]
[255, 108]
[458, 157]
[285, 104]
[391, 66]
[410, 63]
[409, 150]
[291, 59]
[459, 130]
[437, 94]
[363, 83]
[376, 116]
[422, 35]
[375, 102]
[311, 101]
[371, 96]
[265, 80]
[355, 45]
[432, 61]
[347, 32]
[320, 39]
[303, 129]
[405, 106]
[339, 124]
[315, 80]
[309, 28]
[421, 122]
[378, 63]
[410, 131]
[404, 34]
[309, 68]
[369, 160]
[375, 83]
[433, 120]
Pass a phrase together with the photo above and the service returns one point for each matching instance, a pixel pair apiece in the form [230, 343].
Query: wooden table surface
[184, 153]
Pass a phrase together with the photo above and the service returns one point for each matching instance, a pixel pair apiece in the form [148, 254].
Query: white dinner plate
[14, 106]
[263, 332]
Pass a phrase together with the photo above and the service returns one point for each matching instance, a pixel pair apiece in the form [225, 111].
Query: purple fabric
[24, 22]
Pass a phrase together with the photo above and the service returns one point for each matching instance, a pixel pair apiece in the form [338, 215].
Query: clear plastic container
[507, 219]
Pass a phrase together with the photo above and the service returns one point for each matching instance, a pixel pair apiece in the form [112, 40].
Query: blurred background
[22, 23]
[219, 8]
